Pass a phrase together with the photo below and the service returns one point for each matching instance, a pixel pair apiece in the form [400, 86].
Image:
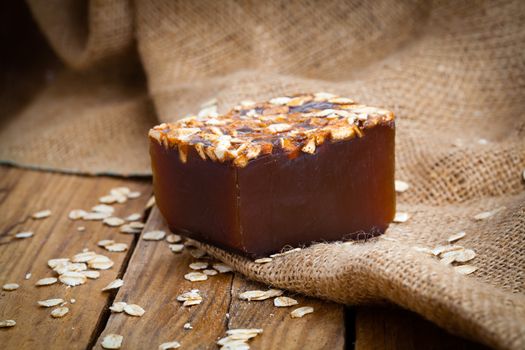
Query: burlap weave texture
[452, 71]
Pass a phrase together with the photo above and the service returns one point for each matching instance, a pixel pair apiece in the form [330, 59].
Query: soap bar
[281, 173]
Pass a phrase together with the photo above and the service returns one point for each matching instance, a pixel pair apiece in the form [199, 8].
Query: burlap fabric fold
[452, 71]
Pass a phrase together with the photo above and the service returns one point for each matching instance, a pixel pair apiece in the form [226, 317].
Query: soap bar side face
[197, 198]
[344, 190]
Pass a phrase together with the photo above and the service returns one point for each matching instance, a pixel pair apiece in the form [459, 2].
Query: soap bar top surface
[288, 124]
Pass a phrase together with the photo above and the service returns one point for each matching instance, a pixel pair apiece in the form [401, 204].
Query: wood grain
[394, 328]
[24, 192]
[323, 329]
[154, 279]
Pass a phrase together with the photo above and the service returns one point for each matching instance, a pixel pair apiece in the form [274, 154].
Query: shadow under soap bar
[287, 172]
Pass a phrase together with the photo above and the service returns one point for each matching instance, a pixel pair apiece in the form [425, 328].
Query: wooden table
[153, 278]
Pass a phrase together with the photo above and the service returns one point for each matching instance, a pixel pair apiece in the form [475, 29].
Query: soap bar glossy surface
[288, 194]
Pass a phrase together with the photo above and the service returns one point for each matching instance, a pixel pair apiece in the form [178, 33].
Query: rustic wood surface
[23, 193]
[392, 328]
[153, 278]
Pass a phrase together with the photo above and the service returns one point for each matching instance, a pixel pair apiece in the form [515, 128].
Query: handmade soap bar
[287, 172]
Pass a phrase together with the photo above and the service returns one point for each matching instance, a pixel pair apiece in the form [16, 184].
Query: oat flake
[59, 312]
[196, 276]
[46, 281]
[112, 341]
[116, 284]
[156, 235]
[7, 323]
[42, 214]
[300, 312]
[50, 302]
[134, 310]
[169, 345]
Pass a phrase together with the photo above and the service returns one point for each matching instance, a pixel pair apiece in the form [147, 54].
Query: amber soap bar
[282, 173]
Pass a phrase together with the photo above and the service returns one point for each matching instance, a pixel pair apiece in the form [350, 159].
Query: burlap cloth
[453, 72]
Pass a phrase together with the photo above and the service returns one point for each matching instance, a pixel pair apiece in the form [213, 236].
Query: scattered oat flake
[72, 278]
[105, 242]
[7, 323]
[112, 341]
[237, 338]
[401, 217]
[456, 237]
[169, 345]
[401, 186]
[50, 302]
[103, 208]
[465, 269]
[116, 284]
[22, 235]
[196, 276]
[150, 203]
[46, 281]
[222, 268]
[260, 295]
[263, 260]
[133, 195]
[122, 190]
[442, 249]
[42, 214]
[113, 221]
[117, 247]
[10, 286]
[129, 229]
[84, 257]
[198, 265]
[190, 298]
[487, 214]
[81, 228]
[447, 260]
[285, 253]
[484, 215]
[100, 262]
[96, 216]
[76, 214]
[187, 326]
[284, 302]
[91, 274]
[156, 235]
[300, 312]
[118, 306]
[28, 275]
[210, 272]
[72, 301]
[65, 267]
[176, 248]
[52, 263]
[133, 217]
[134, 310]
[173, 238]
[136, 224]
[59, 312]
[465, 255]
[107, 199]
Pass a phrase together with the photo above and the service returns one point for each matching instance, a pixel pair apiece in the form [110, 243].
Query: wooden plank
[23, 192]
[154, 279]
[323, 329]
[394, 328]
